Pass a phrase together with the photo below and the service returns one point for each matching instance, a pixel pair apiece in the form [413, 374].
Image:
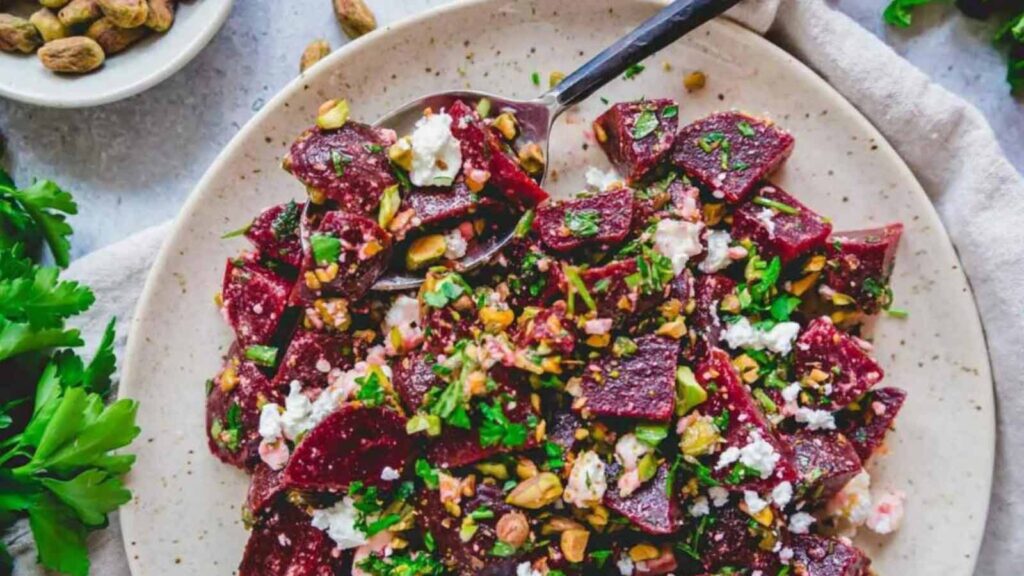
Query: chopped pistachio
[332, 114]
[424, 251]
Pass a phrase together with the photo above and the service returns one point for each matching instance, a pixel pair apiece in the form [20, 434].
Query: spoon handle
[665, 27]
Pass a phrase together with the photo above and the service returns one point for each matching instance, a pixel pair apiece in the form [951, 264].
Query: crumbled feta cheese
[323, 366]
[625, 566]
[629, 450]
[339, 521]
[816, 419]
[526, 569]
[754, 501]
[598, 326]
[297, 409]
[719, 496]
[436, 153]
[800, 523]
[785, 555]
[782, 494]
[742, 334]
[853, 502]
[678, 240]
[718, 252]
[455, 245]
[587, 482]
[700, 507]
[270, 422]
[727, 457]
[767, 216]
[389, 473]
[887, 514]
[598, 180]
[791, 393]
[757, 454]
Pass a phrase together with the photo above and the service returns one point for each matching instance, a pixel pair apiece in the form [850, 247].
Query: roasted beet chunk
[253, 299]
[867, 426]
[264, 488]
[443, 327]
[640, 385]
[534, 278]
[285, 543]
[352, 444]
[473, 138]
[732, 407]
[510, 179]
[826, 462]
[836, 362]
[275, 233]
[413, 378]
[732, 539]
[649, 508]
[311, 356]
[730, 152]
[562, 428]
[473, 557]
[637, 135]
[820, 556]
[348, 165]
[600, 220]
[615, 299]
[860, 263]
[432, 206]
[458, 447]
[779, 225]
[707, 327]
[356, 245]
[233, 406]
[549, 329]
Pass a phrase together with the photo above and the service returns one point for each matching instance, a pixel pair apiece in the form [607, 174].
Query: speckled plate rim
[972, 332]
[119, 91]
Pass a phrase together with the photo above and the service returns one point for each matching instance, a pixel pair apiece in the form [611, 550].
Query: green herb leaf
[898, 13]
[745, 129]
[496, 428]
[286, 223]
[525, 223]
[583, 223]
[651, 434]
[370, 391]
[646, 123]
[670, 111]
[427, 473]
[326, 249]
[503, 549]
[555, 458]
[633, 71]
[779, 206]
[47, 205]
[92, 495]
[59, 536]
[262, 355]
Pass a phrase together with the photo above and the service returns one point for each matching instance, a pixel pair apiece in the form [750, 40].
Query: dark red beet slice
[860, 264]
[820, 556]
[708, 292]
[649, 508]
[432, 206]
[562, 427]
[285, 543]
[413, 378]
[446, 326]
[253, 299]
[363, 252]
[473, 557]
[730, 152]
[457, 447]
[472, 136]
[264, 487]
[348, 165]
[778, 233]
[549, 328]
[613, 296]
[850, 371]
[600, 220]
[275, 233]
[233, 406]
[733, 539]
[866, 427]
[728, 395]
[533, 278]
[312, 355]
[617, 130]
[352, 444]
[641, 385]
[826, 462]
[510, 179]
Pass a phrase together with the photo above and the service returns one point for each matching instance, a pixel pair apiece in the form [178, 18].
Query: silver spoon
[535, 117]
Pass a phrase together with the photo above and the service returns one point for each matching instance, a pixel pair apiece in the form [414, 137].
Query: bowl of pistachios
[80, 53]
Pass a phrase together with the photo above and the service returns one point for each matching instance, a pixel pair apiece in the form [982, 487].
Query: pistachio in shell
[18, 35]
[48, 25]
[112, 38]
[79, 13]
[316, 51]
[355, 17]
[54, 4]
[125, 13]
[74, 55]
[161, 15]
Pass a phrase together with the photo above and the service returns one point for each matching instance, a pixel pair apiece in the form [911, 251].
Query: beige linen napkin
[947, 144]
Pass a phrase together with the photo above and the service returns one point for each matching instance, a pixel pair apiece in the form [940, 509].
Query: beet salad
[666, 374]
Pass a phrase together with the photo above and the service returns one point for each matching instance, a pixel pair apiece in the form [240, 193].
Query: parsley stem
[784, 208]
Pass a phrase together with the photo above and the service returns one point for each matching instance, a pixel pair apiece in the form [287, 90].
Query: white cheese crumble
[270, 422]
[757, 454]
[718, 252]
[700, 507]
[404, 315]
[436, 153]
[389, 473]
[598, 180]
[853, 502]
[800, 523]
[629, 450]
[587, 482]
[887, 514]
[767, 216]
[339, 521]
[625, 566]
[742, 334]
[792, 392]
[816, 419]
[719, 496]
[678, 240]
[754, 501]
[782, 494]
[526, 569]
[455, 245]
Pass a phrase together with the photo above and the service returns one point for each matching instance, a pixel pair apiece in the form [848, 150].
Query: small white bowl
[23, 77]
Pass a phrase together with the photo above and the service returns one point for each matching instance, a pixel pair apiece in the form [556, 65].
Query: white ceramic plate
[185, 517]
[23, 77]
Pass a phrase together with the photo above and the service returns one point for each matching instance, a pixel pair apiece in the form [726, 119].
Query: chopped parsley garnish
[370, 391]
[711, 141]
[446, 290]
[403, 564]
[600, 557]
[741, 472]
[654, 272]
[228, 433]
[577, 287]
[745, 129]
[262, 355]
[449, 407]
[651, 434]
[553, 451]
[373, 148]
[583, 223]
[897, 312]
[535, 78]
[503, 549]
[286, 223]
[670, 111]
[427, 473]
[775, 205]
[326, 249]
[633, 71]
[783, 307]
[496, 428]
[646, 123]
[339, 161]
[722, 421]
